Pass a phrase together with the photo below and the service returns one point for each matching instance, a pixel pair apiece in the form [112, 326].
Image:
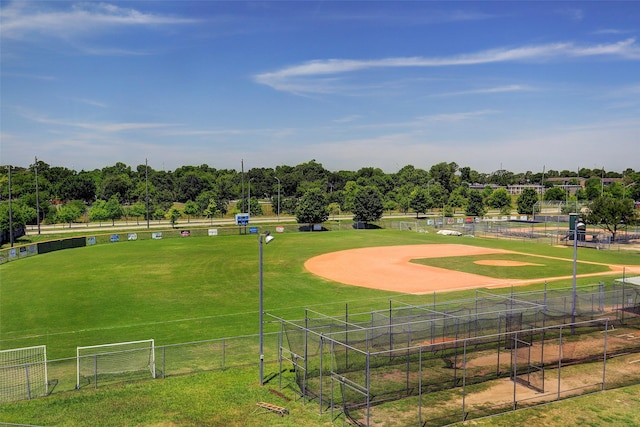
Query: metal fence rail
[170, 360]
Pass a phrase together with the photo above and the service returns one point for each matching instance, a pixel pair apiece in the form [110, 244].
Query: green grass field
[182, 290]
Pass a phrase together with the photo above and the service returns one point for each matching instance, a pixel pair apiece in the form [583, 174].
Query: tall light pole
[249, 185]
[10, 211]
[278, 213]
[266, 237]
[574, 305]
[37, 197]
[146, 186]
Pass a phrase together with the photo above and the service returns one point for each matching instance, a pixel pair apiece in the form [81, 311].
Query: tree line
[307, 190]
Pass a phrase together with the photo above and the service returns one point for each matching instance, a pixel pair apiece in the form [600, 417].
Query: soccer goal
[408, 225]
[115, 360]
[23, 373]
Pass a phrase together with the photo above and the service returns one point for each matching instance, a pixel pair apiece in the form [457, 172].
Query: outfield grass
[181, 290]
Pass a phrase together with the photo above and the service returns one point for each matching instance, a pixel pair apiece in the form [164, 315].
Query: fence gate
[527, 367]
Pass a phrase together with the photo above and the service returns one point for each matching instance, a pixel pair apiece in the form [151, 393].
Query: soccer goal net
[23, 373]
[115, 360]
[408, 226]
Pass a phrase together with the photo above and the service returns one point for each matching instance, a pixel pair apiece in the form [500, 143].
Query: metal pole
[261, 333]
[249, 188]
[10, 211]
[574, 287]
[37, 197]
[278, 213]
[146, 184]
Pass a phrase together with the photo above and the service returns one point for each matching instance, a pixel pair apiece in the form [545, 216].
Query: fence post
[164, 361]
[560, 355]
[604, 355]
[224, 352]
[95, 371]
[26, 372]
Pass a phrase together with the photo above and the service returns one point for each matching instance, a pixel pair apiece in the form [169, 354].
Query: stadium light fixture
[574, 306]
[267, 238]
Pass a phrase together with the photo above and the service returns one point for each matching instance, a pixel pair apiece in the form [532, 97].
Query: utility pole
[37, 197]
[146, 183]
[10, 211]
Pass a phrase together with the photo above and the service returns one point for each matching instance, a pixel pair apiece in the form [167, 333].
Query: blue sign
[242, 219]
[253, 230]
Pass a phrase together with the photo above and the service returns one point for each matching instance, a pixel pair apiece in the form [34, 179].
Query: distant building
[516, 189]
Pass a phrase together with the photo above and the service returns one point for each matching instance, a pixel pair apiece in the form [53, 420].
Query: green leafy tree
[220, 205]
[69, 213]
[526, 201]
[255, 208]
[120, 185]
[288, 205]
[420, 201]
[334, 209]
[191, 208]
[78, 187]
[593, 188]
[390, 205]
[21, 215]
[349, 194]
[458, 198]
[173, 215]
[159, 214]
[555, 194]
[98, 211]
[312, 208]
[138, 210]
[475, 205]
[368, 205]
[438, 195]
[114, 209]
[501, 200]
[611, 214]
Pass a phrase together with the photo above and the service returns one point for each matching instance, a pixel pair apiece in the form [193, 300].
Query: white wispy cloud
[348, 119]
[614, 31]
[318, 76]
[98, 127]
[26, 19]
[484, 91]
[29, 76]
[572, 13]
[90, 102]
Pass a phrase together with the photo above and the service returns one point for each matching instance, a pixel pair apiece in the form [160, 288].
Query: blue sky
[514, 85]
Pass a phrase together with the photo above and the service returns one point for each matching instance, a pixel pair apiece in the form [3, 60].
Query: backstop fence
[545, 229]
[466, 359]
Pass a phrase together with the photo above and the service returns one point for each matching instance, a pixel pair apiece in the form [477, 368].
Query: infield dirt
[389, 268]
